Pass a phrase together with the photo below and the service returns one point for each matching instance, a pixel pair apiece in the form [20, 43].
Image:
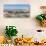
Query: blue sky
[16, 6]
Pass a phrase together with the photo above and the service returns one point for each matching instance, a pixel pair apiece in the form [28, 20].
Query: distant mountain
[17, 10]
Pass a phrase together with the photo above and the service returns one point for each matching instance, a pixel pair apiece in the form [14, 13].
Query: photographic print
[17, 10]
